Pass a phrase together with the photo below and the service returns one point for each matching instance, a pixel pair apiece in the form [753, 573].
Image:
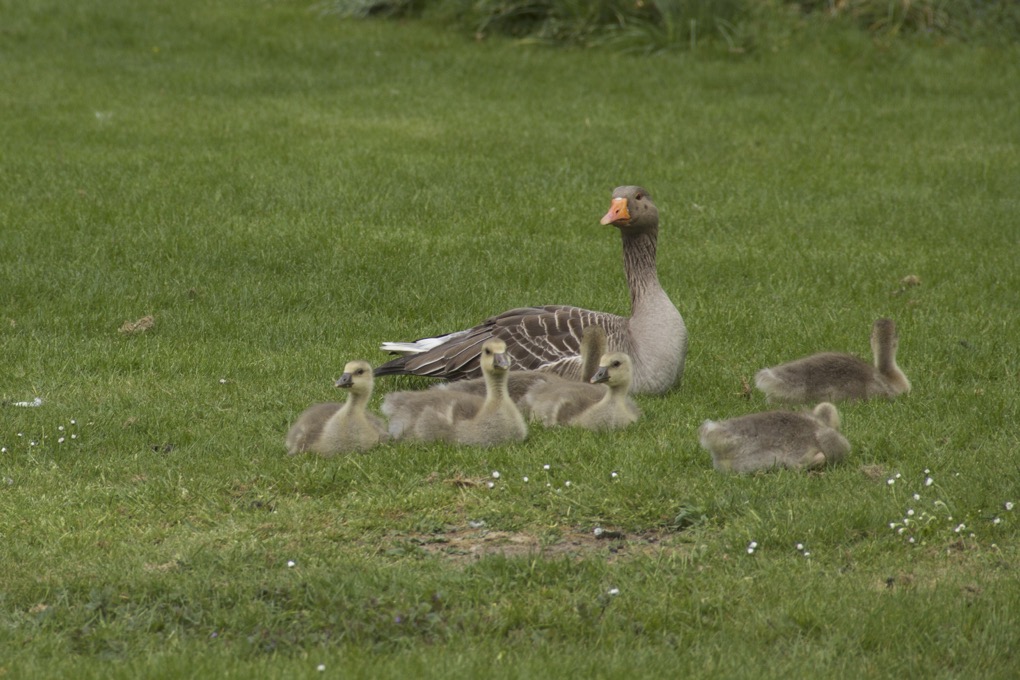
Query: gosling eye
[639, 197]
[617, 363]
[360, 371]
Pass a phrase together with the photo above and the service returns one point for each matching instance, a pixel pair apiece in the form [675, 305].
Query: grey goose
[548, 338]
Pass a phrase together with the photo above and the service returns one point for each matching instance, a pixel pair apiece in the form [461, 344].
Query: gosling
[835, 377]
[775, 439]
[605, 404]
[332, 428]
[462, 417]
[520, 383]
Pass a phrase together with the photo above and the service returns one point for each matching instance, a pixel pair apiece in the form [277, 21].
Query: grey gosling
[461, 417]
[761, 441]
[830, 376]
[603, 405]
[549, 338]
[333, 428]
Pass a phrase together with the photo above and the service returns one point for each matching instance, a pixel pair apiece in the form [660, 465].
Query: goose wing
[537, 338]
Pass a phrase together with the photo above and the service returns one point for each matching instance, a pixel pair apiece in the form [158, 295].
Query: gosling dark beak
[345, 380]
[501, 361]
[600, 376]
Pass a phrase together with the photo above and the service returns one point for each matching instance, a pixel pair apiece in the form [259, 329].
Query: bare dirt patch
[464, 545]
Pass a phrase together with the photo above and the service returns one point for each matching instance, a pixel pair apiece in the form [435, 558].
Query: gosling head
[494, 356]
[614, 370]
[357, 377]
[827, 414]
[883, 336]
[632, 209]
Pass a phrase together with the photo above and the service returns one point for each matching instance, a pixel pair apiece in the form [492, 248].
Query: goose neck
[639, 253]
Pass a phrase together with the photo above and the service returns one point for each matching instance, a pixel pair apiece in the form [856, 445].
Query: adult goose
[830, 376]
[761, 441]
[461, 417]
[549, 338]
[603, 405]
[333, 428]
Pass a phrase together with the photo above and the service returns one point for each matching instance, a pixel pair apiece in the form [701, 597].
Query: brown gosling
[461, 417]
[830, 376]
[333, 428]
[605, 404]
[761, 441]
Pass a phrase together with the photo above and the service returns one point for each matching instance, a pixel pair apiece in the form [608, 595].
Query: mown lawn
[281, 191]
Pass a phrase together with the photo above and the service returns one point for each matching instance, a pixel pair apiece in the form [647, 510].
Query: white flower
[927, 471]
[910, 540]
[1009, 505]
[901, 530]
[750, 550]
[73, 421]
[960, 527]
[60, 427]
[3, 450]
[223, 381]
[525, 478]
[597, 531]
[546, 466]
[614, 592]
[74, 436]
[800, 546]
[917, 496]
[290, 563]
[997, 520]
[807, 554]
[892, 525]
[890, 481]
[928, 481]
[60, 440]
[490, 484]
[321, 667]
[566, 483]
[910, 513]
[614, 474]
[495, 474]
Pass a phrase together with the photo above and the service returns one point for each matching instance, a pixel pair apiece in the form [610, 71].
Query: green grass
[283, 191]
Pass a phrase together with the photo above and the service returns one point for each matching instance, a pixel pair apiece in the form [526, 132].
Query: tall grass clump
[676, 25]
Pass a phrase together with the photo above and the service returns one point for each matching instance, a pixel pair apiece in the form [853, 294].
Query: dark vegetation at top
[737, 26]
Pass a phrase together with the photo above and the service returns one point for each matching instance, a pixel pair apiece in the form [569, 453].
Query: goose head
[614, 370]
[632, 209]
[357, 377]
[494, 357]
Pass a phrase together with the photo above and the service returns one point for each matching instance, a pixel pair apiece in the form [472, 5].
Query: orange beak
[617, 212]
